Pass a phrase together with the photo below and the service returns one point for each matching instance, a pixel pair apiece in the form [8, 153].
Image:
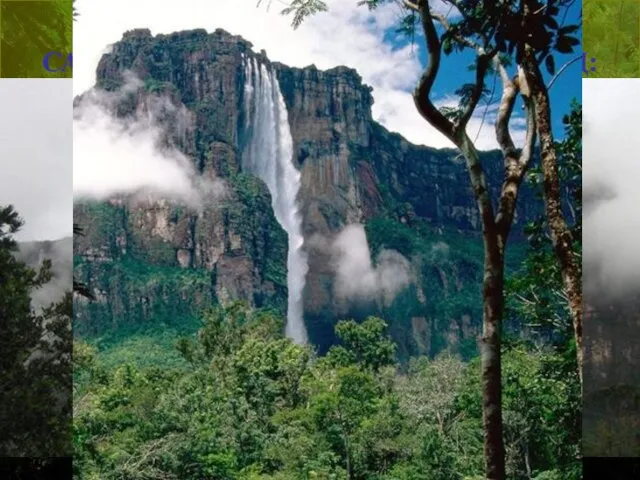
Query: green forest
[249, 404]
[611, 35]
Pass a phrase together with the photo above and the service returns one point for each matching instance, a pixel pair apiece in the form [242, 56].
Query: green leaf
[550, 64]
[568, 29]
[563, 46]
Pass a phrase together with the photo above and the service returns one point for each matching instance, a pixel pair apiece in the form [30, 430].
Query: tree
[538, 290]
[251, 404]
[562, 237]
[430, 388]
[35, 373]
[496, 32]
[365, 344]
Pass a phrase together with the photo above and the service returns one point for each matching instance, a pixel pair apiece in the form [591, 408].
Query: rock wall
[137, 256]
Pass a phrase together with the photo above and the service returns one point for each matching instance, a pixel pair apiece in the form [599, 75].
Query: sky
[611, 231]
[36, 153]
[346, 35]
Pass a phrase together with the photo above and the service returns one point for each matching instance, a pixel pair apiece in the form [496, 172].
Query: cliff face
[611, 403]
[159, 263]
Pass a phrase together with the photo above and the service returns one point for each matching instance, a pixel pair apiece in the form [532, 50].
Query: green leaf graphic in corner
[28, 31]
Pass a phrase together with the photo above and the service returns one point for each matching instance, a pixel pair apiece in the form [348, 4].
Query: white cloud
[346, 35]
[357, 277]
[115, 156]
[611, 232]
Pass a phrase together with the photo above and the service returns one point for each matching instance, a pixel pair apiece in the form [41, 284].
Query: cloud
[36, 153]
[392, 68]
[60, 253]
[357, 277]
[611, 231]
[133, 155]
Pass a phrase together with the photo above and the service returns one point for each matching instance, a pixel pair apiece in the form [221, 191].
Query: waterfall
[269, 156]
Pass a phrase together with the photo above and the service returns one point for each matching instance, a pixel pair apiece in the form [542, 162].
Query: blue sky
[566, 87]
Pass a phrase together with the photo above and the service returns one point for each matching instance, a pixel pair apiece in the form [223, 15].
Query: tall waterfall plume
[269, 156]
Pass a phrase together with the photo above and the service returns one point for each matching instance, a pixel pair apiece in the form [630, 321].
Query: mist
[35, 151]
[60, 252]
[611, 231]
[357, 277]
[135, 155]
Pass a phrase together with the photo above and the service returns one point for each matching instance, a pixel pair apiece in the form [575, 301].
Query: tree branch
[530, 139]
[481, 71]
[562, 69]
[421, 95]
[515, 164]
[464, 40]
[484, 59]
[411, 6]
[505, 110]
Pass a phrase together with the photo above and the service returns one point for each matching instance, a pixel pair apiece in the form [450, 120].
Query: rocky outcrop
[353, 170]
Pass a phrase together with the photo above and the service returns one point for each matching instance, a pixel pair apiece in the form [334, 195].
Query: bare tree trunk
[493, 308]
[561, 237]
[347, 445]
[527, 461]
[492, 314]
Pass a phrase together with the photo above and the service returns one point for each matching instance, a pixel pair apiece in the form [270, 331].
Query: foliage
[35, 369]
[28, 31]
[536, 294]
[80, 287]
[253, 213]
[611, 35]
[450, 267]
[17, 468]
[541, 405]
[364, 344]
[253, 405]
[537, 301]
[301, 9]
[247, 403]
